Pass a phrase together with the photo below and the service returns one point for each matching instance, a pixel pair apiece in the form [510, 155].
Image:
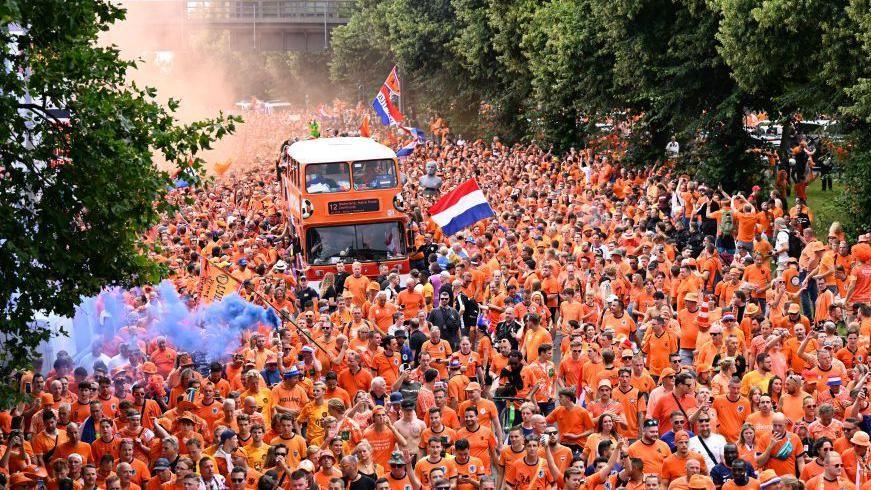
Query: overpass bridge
[261, 25]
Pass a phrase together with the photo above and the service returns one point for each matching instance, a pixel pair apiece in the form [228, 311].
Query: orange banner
[216, 283]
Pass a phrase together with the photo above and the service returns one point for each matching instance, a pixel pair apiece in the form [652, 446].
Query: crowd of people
[611, 328]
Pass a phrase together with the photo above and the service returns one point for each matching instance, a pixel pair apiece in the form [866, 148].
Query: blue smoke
[214, 330]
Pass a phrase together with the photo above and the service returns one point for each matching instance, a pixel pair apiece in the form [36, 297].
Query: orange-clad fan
[607, 327]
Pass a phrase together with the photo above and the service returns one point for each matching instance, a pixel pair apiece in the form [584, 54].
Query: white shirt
[715, 443]
[216, 482]
[782, 242]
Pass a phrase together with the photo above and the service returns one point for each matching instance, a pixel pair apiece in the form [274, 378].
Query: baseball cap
[227, 435]
[666, 372]
[604, 382]
[627, 353]
[396, 397]
[794, 309]
[161, 464]
[293, 371]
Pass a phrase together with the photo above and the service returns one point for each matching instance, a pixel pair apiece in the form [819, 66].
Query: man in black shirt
[341, 275]
[508, 328]
[427, 248]
[416, 339]
[447, 319]
[353, 478]
[305, 295]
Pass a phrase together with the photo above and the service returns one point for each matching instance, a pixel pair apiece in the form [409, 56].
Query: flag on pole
[392, 83]
[461, 208]
[364, 127]
[383, 102]
[408, 149]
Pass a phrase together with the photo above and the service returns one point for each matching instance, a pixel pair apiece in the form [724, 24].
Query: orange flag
[364, 127]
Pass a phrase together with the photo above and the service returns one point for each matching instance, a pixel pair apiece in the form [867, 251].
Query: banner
[215, 283]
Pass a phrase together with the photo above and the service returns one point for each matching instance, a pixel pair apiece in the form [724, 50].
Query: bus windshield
[363, 242]
[374, 174]
[327, 177]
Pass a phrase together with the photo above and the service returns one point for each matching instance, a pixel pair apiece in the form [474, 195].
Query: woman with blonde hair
[327, 289]
[366, 465]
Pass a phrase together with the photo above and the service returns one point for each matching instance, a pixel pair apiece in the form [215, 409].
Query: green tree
[77, 196]
[809, 58]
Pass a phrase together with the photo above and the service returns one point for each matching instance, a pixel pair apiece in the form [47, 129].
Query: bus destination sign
[356, 206]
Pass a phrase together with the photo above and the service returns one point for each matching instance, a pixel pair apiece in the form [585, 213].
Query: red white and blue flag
[383, 102]
[461, 208]
[419, 138]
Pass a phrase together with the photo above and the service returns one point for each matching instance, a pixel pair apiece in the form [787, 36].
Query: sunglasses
[237, 480]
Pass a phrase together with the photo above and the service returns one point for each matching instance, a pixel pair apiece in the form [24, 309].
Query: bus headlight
[307, 208]
[399, 202]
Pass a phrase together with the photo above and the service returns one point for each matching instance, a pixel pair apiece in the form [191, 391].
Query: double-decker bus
[344, 204]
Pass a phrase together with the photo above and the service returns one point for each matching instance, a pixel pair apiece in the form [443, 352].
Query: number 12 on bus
[344, 205]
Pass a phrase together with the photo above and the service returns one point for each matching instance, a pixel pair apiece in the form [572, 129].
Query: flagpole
[399, 78]
[280, 313]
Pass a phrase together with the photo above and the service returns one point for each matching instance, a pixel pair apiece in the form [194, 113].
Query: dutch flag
[408, 149]
[461, 208]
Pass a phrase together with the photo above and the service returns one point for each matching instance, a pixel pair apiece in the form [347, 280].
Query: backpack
[727, 222]
[795, 246]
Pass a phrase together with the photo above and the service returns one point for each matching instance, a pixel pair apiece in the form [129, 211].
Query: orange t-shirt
[653, 455]
[357, 286]
[382, 443]
[410, 302]
[424, 467]
[731, 415]
[746, 225]
[523, 475]
[674, 465]
[532, 340]
[785, 466]
[481, 442]
[574, 420]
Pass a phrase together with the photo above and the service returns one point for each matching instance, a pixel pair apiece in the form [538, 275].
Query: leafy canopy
[76, 196]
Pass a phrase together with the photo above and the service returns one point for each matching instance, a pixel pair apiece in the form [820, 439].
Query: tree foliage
[76, 196]
[689, 68]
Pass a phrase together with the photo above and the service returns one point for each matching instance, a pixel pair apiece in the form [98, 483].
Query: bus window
[364, 242]
[327, 177]
[374, 174]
